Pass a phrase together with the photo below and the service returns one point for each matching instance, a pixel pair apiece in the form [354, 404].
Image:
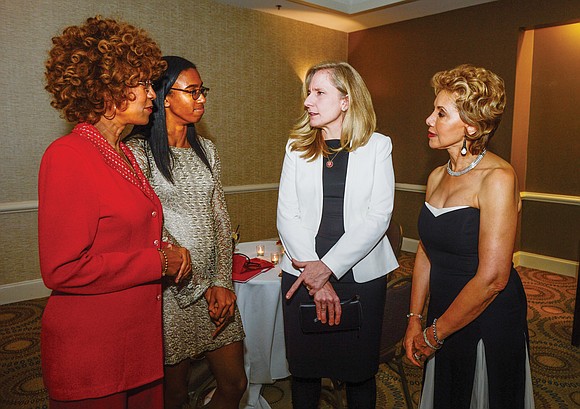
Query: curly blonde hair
[479, 98]
[360, 120]
[91, 66]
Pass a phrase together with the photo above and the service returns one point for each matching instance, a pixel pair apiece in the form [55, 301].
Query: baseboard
[23, 291]
[546, 263]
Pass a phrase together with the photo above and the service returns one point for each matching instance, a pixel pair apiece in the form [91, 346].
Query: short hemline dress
[195, 217]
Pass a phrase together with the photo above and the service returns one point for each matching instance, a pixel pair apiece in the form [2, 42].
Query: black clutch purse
[350, 320]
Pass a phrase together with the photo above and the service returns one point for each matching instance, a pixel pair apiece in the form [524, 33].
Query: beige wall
[398, 60]
[553, 148]
[253, 62]
[553, 140]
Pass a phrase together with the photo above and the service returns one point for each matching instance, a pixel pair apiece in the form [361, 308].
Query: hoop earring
[113, 115]
[464, 148]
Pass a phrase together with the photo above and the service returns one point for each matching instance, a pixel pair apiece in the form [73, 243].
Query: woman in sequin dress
[475, 345]
[201, 317]
[100, 224]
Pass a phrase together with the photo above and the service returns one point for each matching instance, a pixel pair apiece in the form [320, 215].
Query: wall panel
[252, 61]
[398, 60]
[553, 148]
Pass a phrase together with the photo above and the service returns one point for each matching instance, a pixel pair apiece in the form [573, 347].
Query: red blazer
[98, 237]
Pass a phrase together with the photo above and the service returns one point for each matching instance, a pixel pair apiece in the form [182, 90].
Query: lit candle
[260, 249]
[274, 258]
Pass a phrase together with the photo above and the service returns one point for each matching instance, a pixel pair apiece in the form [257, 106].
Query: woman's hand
[413, 330]
[178, 262]
[314, 276]
[327, 305]
[416, 348]
[221, 306]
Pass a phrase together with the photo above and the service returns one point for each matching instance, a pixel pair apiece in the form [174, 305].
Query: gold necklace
[330, 162]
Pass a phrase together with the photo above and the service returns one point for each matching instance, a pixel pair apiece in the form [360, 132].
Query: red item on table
[244, 268]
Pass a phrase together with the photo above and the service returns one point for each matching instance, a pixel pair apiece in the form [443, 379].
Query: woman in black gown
[475, 343]
[334, 206]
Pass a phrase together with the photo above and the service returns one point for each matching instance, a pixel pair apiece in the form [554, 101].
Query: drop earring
[464, 148]
[110, 117]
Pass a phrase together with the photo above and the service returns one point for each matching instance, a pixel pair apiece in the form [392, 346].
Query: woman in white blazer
[334, 207]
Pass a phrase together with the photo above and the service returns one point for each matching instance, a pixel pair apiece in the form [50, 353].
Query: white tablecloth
[260, 303]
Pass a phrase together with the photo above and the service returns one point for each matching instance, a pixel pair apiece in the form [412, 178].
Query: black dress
[498, 337]
[351, 356]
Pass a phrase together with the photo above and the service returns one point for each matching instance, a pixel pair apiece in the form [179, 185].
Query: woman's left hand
[221, 306]
[414, 329]
[327, 305]
[314, 276]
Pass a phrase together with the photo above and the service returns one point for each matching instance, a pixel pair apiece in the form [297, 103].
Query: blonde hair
[479, 98]
[360, 120]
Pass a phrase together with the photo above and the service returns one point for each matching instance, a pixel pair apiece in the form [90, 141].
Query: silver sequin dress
[195, 217]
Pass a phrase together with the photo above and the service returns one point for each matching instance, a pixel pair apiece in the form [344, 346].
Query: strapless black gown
[453, 377]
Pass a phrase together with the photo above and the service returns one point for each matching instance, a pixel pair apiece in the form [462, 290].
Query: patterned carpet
[555, 362]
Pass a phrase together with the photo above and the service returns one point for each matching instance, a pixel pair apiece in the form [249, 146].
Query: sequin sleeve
[137, 146]
[194, 287]
[222, 276]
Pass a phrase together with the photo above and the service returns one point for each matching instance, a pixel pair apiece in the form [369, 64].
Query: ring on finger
[417, 357]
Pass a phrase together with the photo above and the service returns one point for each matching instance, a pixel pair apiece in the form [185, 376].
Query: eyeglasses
[195, 93]
[147, 84]
[248, 264]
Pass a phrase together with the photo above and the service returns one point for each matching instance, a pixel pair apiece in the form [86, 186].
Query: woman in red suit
[100, 226]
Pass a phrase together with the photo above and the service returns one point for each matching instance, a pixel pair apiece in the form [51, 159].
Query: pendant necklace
[330, 162]
[468, 168]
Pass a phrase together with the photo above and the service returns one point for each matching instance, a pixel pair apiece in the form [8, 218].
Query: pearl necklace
[468, 168]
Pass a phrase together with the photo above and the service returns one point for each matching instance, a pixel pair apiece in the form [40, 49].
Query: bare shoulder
[437, 174]
[435, 179]
[499, 182]
[498, 172]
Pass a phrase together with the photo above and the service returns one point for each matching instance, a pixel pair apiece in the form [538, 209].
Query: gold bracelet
[165, 263]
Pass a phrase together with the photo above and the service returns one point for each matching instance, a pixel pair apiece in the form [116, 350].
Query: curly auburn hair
[91, 66]
[479, 98]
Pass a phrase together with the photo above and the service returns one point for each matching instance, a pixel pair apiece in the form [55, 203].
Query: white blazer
[368, 205]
